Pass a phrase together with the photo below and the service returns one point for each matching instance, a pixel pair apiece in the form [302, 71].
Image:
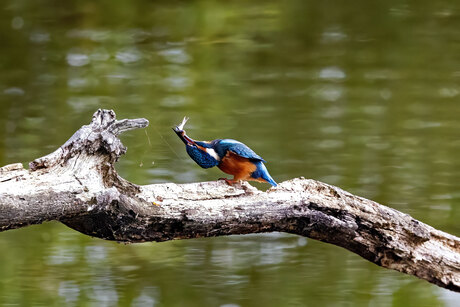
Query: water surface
[360, 95]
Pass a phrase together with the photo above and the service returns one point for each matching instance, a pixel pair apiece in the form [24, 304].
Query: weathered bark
[78, 185]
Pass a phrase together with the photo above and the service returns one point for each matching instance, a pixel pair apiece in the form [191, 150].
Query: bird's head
[201, 152]
[179, 130]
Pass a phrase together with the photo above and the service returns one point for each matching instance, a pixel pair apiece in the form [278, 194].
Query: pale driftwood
[78, 185]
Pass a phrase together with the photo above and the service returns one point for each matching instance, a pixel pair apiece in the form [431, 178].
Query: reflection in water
[354, 95]
[95, 254]
[146, 298]
[69, 292]
[62, 255]
[104, 293]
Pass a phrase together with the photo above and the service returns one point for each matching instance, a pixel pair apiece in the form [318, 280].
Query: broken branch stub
[100, 135]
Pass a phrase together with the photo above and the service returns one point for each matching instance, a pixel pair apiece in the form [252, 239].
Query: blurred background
[364, 95]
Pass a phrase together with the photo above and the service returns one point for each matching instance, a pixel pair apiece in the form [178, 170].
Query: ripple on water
[176, 55]
[69, 291]
[62, 255]
[78, 83]
[90, 34]
[174, 101]
[177, 82]
[14, 91]
[329, 144]
[328, 92]
[146, 298]
[129, 55]
[39, 37]
[84, 103]
[95, 253]
[420, 124]
[104, 292]
[332, 73]
[334, 111]
[331, 129]
[77, 59]
[17, 23]
[448, 92]
[99, 55]
[333, 35]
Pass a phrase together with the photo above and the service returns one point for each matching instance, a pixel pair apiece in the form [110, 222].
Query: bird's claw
[228, 181]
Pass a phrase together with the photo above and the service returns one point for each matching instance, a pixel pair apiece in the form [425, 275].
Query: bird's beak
[181, 134]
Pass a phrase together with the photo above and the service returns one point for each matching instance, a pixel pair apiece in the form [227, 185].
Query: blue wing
[238, 148]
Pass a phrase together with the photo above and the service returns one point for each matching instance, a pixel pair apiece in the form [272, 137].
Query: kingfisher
[230, 156]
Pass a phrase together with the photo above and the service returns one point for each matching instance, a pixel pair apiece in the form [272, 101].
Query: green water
[364, 95]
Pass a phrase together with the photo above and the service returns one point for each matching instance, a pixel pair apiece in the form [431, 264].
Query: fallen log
[79, 186]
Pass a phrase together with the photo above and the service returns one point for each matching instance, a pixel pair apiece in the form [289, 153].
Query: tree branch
[78, 185]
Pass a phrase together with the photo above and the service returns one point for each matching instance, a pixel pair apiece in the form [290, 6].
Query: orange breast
[237, 166]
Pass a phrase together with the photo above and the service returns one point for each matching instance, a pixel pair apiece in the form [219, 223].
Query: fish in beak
[179, 130]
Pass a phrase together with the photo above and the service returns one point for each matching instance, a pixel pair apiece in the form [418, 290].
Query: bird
[230, 156]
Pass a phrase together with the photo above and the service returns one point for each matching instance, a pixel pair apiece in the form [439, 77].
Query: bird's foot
[229, 181]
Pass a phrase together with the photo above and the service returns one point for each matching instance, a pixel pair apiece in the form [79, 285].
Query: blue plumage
[222, 146]
[201, 157]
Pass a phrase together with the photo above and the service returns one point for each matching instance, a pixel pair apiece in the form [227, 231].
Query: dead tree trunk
[78, 185]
